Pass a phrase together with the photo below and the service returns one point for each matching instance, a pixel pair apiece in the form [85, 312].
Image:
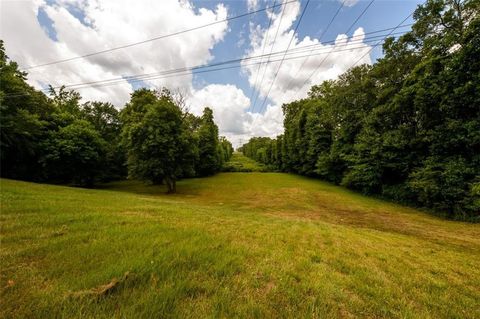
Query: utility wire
[252, 105]
[289, 52]
[181, 73]
[283, 58]
[186, 73]
[320, 40]
[325, 58]
[378, 43]
[198, 69]
[227, 61]
[155, 38]
[263, 52]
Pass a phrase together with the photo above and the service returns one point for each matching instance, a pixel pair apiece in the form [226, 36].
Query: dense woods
[56, 138]
[406, 128]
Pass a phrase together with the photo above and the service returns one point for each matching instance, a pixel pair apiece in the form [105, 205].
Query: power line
[263, 52]
[180, 73]
[378, 43]
[155, 38]
[319, 39]
[224, 62]
[325, 58]
[198, 69]
[252, 105]
[292, 51]
[283, 58]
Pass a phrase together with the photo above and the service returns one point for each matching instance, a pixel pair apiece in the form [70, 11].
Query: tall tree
[209, 158]
[75, 153]
[158, 144]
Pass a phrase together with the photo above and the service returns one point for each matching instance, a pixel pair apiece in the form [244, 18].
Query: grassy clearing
[241, 163]
[233, 245]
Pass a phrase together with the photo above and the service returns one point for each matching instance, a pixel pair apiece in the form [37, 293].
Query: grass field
[251, 245]
[240, 163]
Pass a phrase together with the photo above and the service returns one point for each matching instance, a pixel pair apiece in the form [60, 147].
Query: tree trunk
[171, 185]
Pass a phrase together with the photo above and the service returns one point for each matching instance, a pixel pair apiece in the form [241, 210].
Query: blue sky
[381, 14]
[37, 32]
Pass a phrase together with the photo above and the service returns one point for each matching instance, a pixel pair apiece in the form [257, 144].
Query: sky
[247, 97]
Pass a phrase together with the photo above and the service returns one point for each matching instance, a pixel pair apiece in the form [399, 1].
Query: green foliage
[210, 153]
[440, 184]
[23, 115]
[165, 144]
[240, 163]
[75, 153]
[406, 128]
[59, 139]
[106, 120]
[158, 144]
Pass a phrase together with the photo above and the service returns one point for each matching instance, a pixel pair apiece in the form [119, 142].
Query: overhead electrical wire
[292, 51]
[325, 58]
[186, 73]
[240, 59]
[252, 105]
[263, 52]
[154, 39]
[319, 39]
[199, 69]
[378, 43]
[368, 52]
[283, 58]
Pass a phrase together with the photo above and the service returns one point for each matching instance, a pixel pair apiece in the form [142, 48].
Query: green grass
[251, 245]
[241, 163]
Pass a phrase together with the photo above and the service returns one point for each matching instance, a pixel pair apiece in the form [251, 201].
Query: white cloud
[230, 110]
[349, 3]
[331, 60]
[252, 5]
[113, 23]
[229, 105]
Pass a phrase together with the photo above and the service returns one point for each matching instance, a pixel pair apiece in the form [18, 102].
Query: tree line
[406, 128]
[56, 138]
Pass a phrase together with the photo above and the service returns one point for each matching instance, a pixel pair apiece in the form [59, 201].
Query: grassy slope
[236, 244]
[240, 163]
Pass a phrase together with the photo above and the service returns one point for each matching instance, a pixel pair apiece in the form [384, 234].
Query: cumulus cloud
[349, 3]
[98, 25]
[252, 4]
[298, 72]
[333, 58]
[229, 105]
[108, 24]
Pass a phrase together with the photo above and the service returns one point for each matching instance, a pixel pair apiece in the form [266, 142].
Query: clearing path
[241, 163]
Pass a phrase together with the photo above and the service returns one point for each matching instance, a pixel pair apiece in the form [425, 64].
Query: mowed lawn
[249, 245]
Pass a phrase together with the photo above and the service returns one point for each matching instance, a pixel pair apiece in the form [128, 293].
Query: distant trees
[406, 128]
[158, 143]
[210, 159]
[74, 153]
[165, 143]
[55, 138]
[59, 139]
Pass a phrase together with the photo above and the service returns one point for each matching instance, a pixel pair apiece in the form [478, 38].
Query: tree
[158, 144]
[209, 161]
[106, 120]
[406, 128]
[75, 153]
[24, 113]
